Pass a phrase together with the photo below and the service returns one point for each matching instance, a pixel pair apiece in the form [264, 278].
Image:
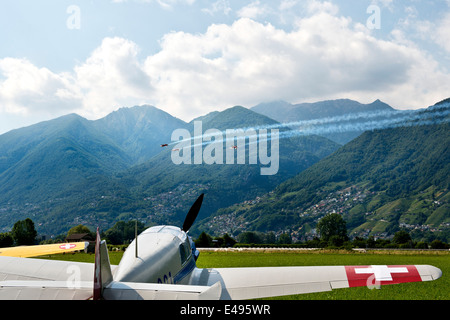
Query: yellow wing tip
[34, 251]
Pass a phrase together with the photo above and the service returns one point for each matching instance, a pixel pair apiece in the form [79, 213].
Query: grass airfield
[433, 290]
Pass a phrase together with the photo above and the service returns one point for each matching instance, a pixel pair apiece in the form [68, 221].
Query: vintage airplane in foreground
[161, 264]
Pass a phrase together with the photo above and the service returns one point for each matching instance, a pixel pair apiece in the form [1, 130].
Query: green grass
[432, 290]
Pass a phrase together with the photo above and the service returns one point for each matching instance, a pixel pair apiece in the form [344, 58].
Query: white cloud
[442, 32]
[287, 4]
[254, 10]
[112, 76]
[325, 56]
[412, 28]
[170, 3]
[389, 4]
[26, 87]
[315, 6]
[222, 6]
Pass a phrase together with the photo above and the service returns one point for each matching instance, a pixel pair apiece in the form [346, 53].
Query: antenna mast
[136, 238]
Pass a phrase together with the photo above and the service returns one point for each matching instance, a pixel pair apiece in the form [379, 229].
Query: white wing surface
[253, 283]
[34, 279]
[38, 279]
[156, 291]
[12, 268]
[45, 290]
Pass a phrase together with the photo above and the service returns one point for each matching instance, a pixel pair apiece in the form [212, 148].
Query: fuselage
[164, 255]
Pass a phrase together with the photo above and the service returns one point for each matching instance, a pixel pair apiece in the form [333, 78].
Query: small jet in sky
[161, 264]
[164, 145]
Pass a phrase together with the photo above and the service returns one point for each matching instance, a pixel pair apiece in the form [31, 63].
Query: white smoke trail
[395, 120]
[364, 121]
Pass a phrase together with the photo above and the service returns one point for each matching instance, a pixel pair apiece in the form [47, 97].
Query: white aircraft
[161, 264]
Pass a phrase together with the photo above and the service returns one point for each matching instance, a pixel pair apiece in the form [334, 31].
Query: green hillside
[72, 171]
[223, 184]
[42, 161]
[382, 181]
[139, 131]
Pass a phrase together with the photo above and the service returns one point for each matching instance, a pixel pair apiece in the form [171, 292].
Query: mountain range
[71, 171]
[285, 112]
[380, 182]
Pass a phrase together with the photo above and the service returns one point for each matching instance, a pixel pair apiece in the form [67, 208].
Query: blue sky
[190, 57]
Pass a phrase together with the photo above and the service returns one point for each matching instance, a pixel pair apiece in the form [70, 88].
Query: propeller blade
[192, 214]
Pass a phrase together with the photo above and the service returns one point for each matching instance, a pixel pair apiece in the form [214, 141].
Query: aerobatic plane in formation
[161, 264]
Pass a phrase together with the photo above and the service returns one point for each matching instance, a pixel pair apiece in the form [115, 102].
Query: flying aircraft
[164, 145]
[161, 264]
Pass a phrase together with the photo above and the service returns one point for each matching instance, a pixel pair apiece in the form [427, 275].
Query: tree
[228, 241]
[24, 233]
[371, 243]
[250, 237]
[421, 245]
[438, 244]
[332, 225]
[359, 242]
[285, 239]
[336, 241]
[203, 241]
[123, 232]
[401, 237]
[270, 237]
[6, 240]
[79, 229]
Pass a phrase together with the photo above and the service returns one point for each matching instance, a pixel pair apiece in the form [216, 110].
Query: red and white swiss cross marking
[359, 276]
[67, 246]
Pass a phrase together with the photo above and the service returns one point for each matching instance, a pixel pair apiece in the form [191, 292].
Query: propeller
[192, 214]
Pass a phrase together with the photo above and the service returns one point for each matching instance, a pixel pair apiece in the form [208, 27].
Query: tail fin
[102, 270]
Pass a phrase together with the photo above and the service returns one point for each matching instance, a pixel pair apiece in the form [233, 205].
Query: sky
[191, 57]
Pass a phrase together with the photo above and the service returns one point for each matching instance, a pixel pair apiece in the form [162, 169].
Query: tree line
[332, 233]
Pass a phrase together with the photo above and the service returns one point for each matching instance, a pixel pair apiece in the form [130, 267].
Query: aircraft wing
[39, 279]
[30, 279]
[253, 283]
[44, 290]
[159, 291]
[62, 290]
[34, 251]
